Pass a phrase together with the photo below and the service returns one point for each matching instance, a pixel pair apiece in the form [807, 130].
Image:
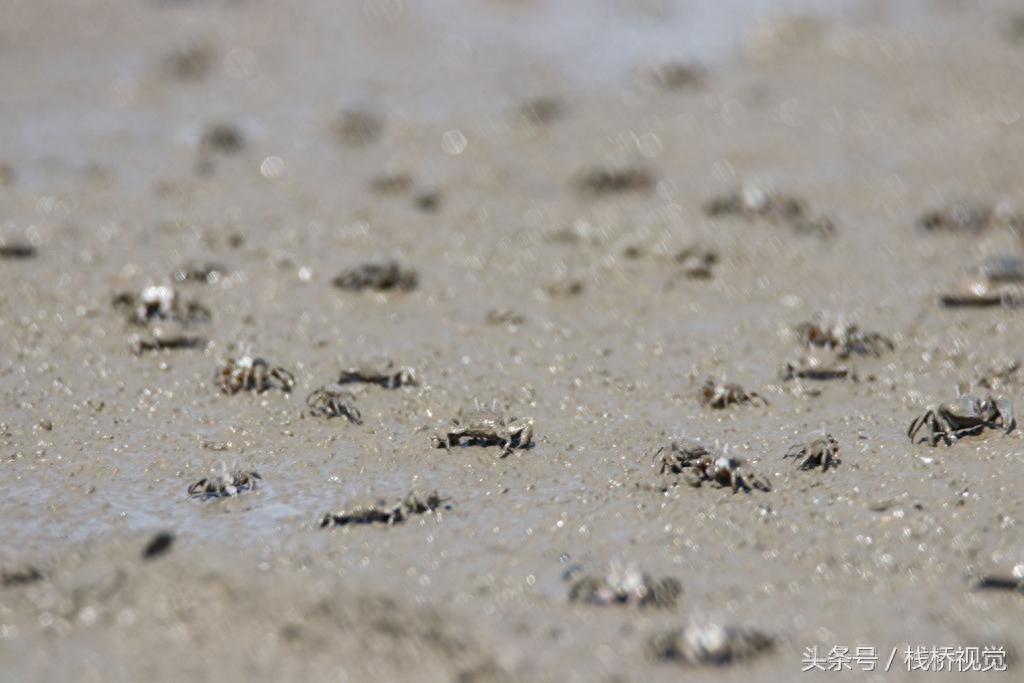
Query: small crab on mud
[753, 203]
[818, 448]
[842, 337]
[700, 466]
[385, 374]
[817, 365]
[626, 586]
[962, 416]
[711, 644]
[224, 484]
[333, 401]
[613, 177]
[164, 335]
[722, 394]
[696, 262]
[378, 275]
[980, 291]
[968, 217]
[252, 374]
[200, 271]
[487, 427]
[159, 303]
[384, 511]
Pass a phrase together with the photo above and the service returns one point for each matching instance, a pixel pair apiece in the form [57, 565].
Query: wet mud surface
[532, 232]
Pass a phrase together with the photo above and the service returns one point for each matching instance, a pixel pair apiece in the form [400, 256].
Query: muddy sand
[573, 219]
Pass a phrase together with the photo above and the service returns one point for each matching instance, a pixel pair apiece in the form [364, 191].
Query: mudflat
[365, 341]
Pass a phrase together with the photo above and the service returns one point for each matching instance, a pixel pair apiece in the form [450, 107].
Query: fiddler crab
[711, 644]
[380, 276]
[815, 365]
[626, 586]
[224, 484]
[252, 374]
[751, 202]
[967, 217]
[486, 427]
[721, 394]
[819, 448]
[700, 465]
[979, 290]
[333, 401]
[842, 337]
[385, 374]
[159, 302]
[696, 262]
[385, 512]
[164, 335]
[962, 416]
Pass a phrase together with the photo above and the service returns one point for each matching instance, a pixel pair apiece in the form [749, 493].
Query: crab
[626, 586]
[615, 176]
[164, 335]
[815, 365]
[200, 271]
[710, 644]
[384, 511]
[962, 416]
[159, 303]
[333, 401]
[696, 262]
[752, 202]
[487, 427]
[378, 275]
[253, 374]
[959, 217]
[819, 448]
[721, 394]
[1000, 268]
[697, 462]
[842, 337]
[678, 456]
[386, 374]
[980, 290]
[225, 484]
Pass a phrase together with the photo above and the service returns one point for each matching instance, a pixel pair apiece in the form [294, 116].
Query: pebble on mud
[222, 138]
[191, 63]
[19, 576]
[674, 75]
[158, 545]
[541, 111]
[16, 250]
[358, 127]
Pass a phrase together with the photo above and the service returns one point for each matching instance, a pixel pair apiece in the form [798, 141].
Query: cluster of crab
[698, 465]
[998, 281]
[168, 321]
